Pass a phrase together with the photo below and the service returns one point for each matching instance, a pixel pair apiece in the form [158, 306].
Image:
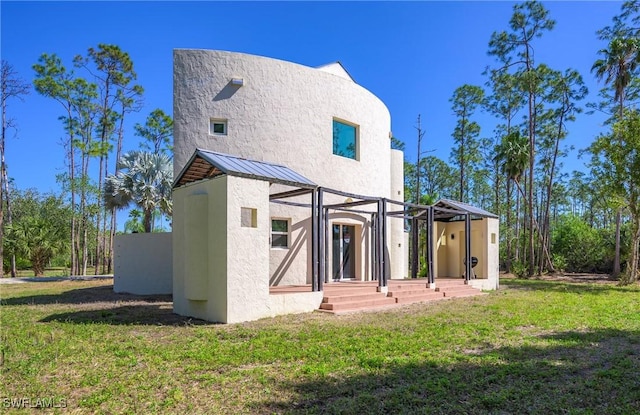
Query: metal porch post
[383, 251]
[325, 223]
[430, 245]
[314, 241]
[415, 262]
[322, 233]
[467, 247]
[374, 247]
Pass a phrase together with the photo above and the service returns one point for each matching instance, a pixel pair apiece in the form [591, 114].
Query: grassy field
[534, 347]
[49, 272]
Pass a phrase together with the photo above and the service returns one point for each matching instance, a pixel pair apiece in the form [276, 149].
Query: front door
[344, 253]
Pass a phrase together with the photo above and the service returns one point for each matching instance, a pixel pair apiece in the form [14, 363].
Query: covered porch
[344, 297]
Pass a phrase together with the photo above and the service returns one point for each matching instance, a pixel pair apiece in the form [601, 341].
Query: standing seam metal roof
[466, 208]
[237, 166]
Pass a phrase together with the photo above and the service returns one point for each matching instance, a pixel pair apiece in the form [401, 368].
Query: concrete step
[415, 291]
[355, 305]
[332, 298]
[407, 287]
[456, 288]
[416, 298]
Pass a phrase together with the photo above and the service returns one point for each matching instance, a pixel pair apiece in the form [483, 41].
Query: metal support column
[379, 244]
[383, 251]
[374, 247]
[430, 245]
[314, 242]
[322, 234]
[325, 224]
[467, 247]
[415, 256]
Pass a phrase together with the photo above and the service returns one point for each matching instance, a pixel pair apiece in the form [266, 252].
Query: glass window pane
[218, 126]
[344, 140]
[279, 225]
[279, 241]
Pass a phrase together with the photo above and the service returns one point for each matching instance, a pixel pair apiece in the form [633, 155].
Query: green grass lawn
[533, 347]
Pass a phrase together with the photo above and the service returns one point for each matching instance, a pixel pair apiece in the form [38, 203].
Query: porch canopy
[205, 164]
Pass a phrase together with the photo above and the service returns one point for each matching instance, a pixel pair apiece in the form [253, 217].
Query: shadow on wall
[292, 252]
[582, 372]
[227, 92]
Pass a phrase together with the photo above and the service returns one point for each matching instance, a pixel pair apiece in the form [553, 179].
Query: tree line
[95, 94]
[550, 220]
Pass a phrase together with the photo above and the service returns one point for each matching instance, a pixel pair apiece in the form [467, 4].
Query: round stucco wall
[283, 114]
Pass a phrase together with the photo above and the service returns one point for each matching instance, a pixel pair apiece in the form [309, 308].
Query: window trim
[356, 128]
[213, 121]
[287, 233]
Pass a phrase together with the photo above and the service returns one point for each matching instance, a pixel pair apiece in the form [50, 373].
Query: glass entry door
[344, 253]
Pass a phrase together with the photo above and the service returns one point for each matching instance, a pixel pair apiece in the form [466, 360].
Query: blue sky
[412, 55]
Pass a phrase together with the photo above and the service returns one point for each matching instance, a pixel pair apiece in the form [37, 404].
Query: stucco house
[284, 176]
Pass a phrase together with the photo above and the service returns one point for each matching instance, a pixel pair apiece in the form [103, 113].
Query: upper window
[345, 140]
[279, 233]
[217, 126]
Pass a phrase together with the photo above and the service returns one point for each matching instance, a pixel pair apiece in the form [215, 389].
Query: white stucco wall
[450, 252]
[397, 247]
[143, 263]
[221, 272]
[284, 114]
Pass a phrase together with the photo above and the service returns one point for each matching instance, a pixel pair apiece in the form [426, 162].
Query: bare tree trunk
[508, 228]
[616, 261]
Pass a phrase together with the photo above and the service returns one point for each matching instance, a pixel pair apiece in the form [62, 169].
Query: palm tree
[512, 157]
[143, 179]
[617, 66]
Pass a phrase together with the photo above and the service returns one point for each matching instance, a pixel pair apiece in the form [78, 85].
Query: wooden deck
[350, 296]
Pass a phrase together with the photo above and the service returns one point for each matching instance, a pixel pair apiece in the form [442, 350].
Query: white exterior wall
[143, 263]
[284, 114]
[222, 268]
[450, 252]
[491, 265]
[397, 247]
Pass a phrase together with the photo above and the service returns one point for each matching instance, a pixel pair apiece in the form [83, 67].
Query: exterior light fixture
[237, 81]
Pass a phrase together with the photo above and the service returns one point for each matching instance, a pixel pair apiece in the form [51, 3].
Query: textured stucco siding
[284, 113]
[450, 252]
[397, 247]
[491, 265]
[143, 263]
[208, 264]
[247, 253]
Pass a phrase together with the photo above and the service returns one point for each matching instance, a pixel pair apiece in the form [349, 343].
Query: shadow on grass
[139, 314]
[102, 305]
[567, 287]
[570, 372]
[99, 294]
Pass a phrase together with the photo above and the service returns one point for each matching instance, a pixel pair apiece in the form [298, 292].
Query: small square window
[248, 217]
[279, 233]
[493, 238]
[217, 126]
